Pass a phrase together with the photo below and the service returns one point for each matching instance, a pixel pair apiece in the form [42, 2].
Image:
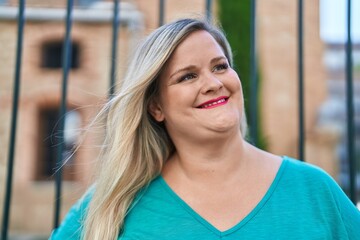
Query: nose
[211, 83]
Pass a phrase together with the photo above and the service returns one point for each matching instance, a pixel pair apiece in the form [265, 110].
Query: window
[52, 55]
[49, 140]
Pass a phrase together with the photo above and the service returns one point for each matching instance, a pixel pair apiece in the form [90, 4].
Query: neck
[208, 160]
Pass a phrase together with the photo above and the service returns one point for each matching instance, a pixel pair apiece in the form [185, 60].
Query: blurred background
[91, 39]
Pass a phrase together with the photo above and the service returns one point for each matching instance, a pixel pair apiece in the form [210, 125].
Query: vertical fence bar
[161, 12]
[208, 8]
[115, 36]
[66, 58]
[16, 93]
[254, 79]
[301, 82]
[350, 108]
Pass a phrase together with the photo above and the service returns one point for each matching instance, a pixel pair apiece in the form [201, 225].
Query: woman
[176, 165]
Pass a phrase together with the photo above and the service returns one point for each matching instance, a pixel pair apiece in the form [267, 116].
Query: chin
[226, 124]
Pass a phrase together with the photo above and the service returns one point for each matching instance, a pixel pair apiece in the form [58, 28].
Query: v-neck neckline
[243, 221]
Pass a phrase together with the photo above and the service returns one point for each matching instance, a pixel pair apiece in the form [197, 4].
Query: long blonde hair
[136, 146]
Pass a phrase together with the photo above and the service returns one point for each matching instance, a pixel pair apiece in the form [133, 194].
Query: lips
[214, 102]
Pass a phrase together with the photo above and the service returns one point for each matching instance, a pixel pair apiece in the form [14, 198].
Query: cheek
[235, 87]
[174, 101]
[234, 82]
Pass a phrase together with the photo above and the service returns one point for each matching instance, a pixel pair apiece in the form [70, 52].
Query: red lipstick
[216, 102]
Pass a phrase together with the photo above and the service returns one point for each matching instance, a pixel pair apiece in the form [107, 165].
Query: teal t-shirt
[303, 202]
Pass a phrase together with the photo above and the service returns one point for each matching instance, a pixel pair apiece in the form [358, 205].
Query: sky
[333, 20]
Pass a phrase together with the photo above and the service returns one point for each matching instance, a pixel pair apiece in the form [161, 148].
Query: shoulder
[155, 212]
[309, 181]
[152, 193]
[314, 182]
[306, 171]
[71, 226]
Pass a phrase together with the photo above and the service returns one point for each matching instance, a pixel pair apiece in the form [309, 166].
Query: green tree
[235, 19]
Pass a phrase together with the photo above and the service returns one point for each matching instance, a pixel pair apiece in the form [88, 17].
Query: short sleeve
[341, 214]
[349, 213]
[71, 227]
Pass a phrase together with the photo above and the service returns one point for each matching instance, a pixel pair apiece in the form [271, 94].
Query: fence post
[254, 77]
[301, 82]
[115, 36]
[16, 93]
[208, 8]
[66, 58]
[161, 12]
[350, 109]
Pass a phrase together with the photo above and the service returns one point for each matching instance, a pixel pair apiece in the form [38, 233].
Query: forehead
[197, 45]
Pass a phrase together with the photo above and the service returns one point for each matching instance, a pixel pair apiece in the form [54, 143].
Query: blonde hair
[135, 145]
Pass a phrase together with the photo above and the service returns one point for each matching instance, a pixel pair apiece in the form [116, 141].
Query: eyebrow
[183, 69]
[216, 59]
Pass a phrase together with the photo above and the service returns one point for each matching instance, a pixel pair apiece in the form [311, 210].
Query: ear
[156, 111]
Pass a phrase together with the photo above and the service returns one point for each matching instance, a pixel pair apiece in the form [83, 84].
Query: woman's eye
[221, 67]
[187, 76]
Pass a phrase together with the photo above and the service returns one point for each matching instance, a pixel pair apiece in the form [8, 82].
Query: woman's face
[199, 93]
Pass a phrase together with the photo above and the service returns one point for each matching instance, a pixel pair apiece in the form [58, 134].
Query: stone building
[324, 86]
[277, 49]
[41, 76]
[41, 83]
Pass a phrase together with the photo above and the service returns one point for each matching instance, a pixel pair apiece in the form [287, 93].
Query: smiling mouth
[214, 103]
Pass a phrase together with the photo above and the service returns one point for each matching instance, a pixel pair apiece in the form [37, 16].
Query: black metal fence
[253, 125]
